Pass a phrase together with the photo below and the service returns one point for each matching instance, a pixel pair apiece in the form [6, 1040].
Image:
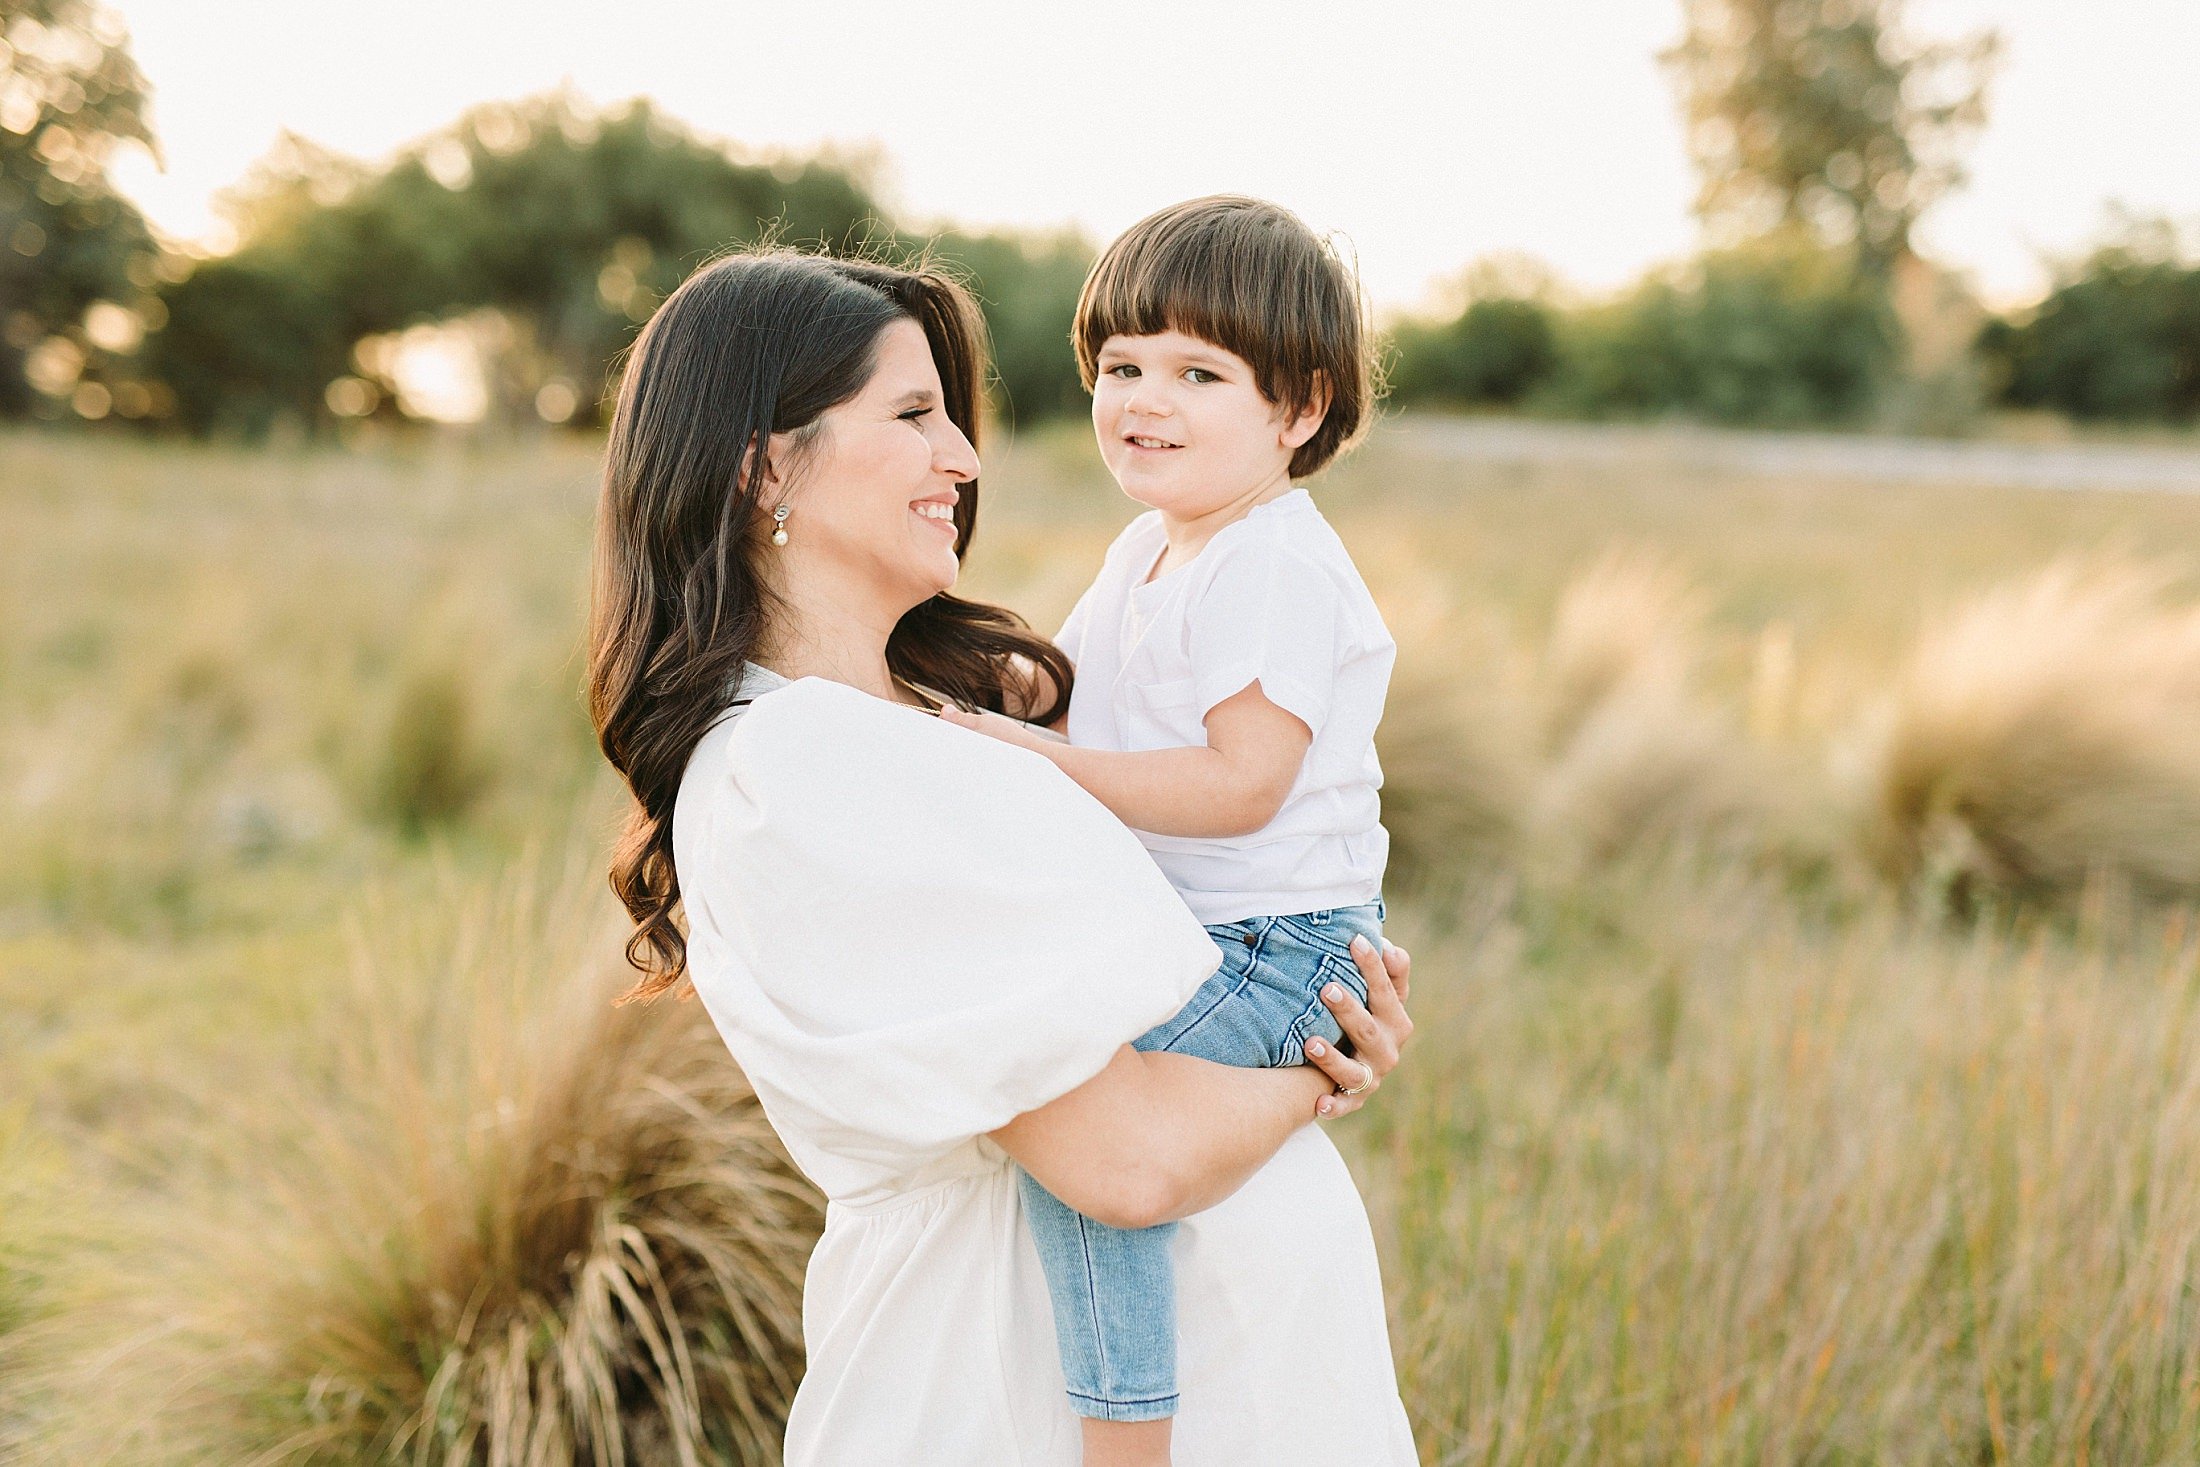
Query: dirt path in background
[1815, 455]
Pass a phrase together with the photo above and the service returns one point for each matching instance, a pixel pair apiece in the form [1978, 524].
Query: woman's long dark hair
[751, 345]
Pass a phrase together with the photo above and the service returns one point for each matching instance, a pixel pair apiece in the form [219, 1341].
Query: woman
[927, 949]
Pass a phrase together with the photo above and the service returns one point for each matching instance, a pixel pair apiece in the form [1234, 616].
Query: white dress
[908, 934]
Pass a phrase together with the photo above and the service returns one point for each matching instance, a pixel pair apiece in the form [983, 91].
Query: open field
[1758, 1113]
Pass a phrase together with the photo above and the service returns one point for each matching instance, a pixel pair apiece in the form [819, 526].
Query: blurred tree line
[71, 249]
[536, 235]
[1821, 131]
[549, 231]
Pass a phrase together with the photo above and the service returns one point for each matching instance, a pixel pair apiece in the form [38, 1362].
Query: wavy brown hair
[751, 345]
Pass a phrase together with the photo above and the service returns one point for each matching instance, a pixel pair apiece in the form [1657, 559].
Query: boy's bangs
[1184, 294]
[1218, 290]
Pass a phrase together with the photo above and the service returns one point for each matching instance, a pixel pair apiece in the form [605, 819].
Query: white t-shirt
[1273, 598]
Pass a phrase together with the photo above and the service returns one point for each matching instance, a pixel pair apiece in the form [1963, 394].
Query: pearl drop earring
[779, 525]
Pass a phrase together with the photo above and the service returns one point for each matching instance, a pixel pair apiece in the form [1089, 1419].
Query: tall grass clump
[1457, 777]
[515, 1225]
[1632, 753]
[2044, 734]
[432, 767]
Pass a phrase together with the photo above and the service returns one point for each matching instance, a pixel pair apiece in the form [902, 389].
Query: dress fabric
[908, 934]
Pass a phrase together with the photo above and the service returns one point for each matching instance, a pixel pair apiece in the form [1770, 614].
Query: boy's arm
[1232, 786]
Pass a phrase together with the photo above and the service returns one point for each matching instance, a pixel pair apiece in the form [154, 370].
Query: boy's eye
[1123, 370]
[1201, 374]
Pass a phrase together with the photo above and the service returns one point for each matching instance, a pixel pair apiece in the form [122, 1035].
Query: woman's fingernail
[1316, 1048]
[1334, 993]
[1326, 1105]
[1360, 944]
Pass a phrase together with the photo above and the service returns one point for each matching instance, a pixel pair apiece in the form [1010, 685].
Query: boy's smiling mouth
[1140, 440]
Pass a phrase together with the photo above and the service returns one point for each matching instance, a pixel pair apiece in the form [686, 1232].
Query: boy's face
[1182, 426]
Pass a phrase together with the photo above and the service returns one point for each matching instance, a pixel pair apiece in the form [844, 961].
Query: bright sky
[1429, 132]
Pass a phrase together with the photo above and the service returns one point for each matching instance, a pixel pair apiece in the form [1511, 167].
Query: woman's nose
[954, 455]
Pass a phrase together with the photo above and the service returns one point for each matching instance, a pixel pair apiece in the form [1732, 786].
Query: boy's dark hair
[1250, 277]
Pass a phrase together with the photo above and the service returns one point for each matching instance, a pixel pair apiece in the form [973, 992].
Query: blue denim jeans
[1114, 1290]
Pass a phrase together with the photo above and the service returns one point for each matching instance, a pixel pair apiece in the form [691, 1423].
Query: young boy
[1231, 668]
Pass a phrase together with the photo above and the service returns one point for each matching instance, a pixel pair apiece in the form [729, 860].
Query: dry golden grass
[1722, 1183]
[1635, 754]
[319, 1142]
[511, 1224]
[2043, 734]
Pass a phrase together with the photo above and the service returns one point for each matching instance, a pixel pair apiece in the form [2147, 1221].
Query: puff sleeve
[908, 933]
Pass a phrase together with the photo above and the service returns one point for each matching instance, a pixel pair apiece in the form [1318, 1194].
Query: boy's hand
[998, 726]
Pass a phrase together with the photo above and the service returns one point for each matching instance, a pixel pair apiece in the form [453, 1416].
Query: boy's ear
[1306, 424]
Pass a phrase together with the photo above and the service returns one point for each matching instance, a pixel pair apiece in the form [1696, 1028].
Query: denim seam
[1092, 1294]
[1143, 1408]
[1244, 979]
[1316, 937]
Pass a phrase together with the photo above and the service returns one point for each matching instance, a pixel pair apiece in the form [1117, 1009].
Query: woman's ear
[1307, 423]
[764, 450]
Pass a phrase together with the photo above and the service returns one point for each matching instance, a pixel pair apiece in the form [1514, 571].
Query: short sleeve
[910, 933]
[1269, 616]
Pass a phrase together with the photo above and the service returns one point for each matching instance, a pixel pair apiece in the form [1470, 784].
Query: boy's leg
[1126, 1443]
[1114, 1290]
[1114, 1293]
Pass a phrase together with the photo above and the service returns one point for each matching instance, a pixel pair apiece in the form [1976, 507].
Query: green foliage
[1498, 350]
[69, 96]
[248, 339]
[1780, 331]
[1824, 114]
[1028, 285]
[1774, 333]
[573, 224]
[2119, 337]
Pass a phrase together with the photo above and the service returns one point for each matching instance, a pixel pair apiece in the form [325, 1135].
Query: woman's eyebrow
[914, 397]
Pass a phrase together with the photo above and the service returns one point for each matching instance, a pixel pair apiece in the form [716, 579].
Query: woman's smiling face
[871, 498]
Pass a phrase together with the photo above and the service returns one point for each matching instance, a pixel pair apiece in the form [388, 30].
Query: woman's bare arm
[1155, 1137]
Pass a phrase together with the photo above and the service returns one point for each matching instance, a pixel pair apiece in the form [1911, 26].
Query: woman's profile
[929, 949]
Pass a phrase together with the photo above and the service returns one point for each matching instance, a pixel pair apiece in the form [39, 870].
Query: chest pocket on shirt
[1160, 715]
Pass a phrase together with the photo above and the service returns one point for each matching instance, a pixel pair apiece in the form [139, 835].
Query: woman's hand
[1378, 1030]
